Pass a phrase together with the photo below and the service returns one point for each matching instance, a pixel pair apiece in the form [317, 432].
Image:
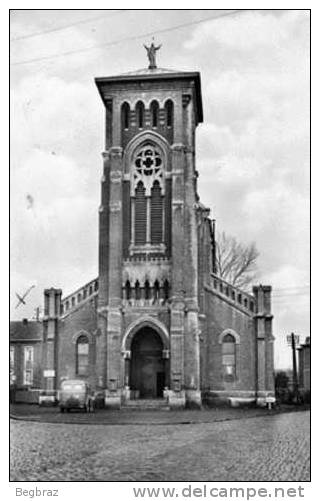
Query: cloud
[55, 43]
[252, 150]
[55, 160]
[247, 31]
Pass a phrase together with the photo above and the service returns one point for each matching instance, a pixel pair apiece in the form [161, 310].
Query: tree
[236, 262]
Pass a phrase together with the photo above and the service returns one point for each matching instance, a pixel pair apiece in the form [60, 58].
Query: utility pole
[293, 340]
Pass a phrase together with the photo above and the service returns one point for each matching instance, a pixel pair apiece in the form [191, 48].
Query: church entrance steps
[146, 404]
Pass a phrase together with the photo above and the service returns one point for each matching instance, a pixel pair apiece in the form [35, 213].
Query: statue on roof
[151, 52]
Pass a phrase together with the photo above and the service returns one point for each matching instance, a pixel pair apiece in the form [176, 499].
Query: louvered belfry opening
[147, 200]
[140, 227]
[156, 214]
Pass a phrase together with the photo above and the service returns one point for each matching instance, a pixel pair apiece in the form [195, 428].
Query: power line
[293, 287]
[125, 39]
[66, 26]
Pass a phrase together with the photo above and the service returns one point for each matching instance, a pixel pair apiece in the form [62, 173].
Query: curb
[37, 419]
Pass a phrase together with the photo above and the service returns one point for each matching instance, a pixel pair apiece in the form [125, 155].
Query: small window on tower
[128, 290]
[137, 290]
[147, 290]
[140, 114]
[169, 113]
[156, 290]
[125, 114]
[154, 109]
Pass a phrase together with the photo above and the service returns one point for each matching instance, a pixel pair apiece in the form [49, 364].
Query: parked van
[76, 394]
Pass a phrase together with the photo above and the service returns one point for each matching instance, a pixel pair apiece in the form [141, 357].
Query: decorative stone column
[176, 393]
[52, 302]
[191, 345]
[101, 343]
[264, 343]
[114, 308]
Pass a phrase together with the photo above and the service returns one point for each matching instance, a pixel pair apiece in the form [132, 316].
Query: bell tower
[148, 243]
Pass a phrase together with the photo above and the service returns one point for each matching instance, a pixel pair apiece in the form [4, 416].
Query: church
[157, 324]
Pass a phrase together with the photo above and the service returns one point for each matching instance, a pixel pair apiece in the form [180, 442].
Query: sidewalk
[32, 412]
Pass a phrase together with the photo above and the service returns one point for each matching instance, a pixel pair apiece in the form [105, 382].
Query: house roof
[25, 330]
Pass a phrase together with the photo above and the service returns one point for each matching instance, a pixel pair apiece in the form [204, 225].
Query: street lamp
[292, 341]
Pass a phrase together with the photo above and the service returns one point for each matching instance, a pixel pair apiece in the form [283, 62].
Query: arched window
[140, 220]
[156, 290]
[154, 111]
[147, 291]
[82, 356]
[128, 290]
[140, 114]
[137, 290]
[169, 113]
[229, 358]
[125, 116]
[156, 214]
[166, 289]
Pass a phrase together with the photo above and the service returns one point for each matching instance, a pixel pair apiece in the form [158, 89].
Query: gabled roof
[25, 330]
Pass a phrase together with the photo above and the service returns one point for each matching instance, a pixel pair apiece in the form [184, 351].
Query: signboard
[49, 373]
[270, 400]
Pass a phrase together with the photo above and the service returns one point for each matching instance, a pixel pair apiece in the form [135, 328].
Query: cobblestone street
[268, 448]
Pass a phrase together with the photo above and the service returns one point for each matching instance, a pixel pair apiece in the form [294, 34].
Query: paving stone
[266, 448]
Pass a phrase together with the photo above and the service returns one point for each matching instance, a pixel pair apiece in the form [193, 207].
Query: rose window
[147, 168]
[148, 161]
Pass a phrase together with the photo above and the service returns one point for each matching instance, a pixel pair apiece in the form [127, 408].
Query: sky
[252, 149]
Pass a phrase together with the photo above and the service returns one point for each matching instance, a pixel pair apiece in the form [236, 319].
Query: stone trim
[82, 332]
[224, 298]
[229, 331]
[138, 140]
[145, 321]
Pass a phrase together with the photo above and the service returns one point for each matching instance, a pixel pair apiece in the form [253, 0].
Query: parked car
[76, 394]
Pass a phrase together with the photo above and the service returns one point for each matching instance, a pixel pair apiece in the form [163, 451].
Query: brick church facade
[157, 323]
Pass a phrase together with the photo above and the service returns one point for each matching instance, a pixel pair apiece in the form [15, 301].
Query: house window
[82, 363]
[229, 358]
[12, 365]
[28, 365]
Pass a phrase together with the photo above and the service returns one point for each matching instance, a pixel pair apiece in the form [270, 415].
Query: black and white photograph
[160, 247]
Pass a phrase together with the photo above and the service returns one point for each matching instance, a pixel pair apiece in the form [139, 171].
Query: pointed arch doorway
[148, 368]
